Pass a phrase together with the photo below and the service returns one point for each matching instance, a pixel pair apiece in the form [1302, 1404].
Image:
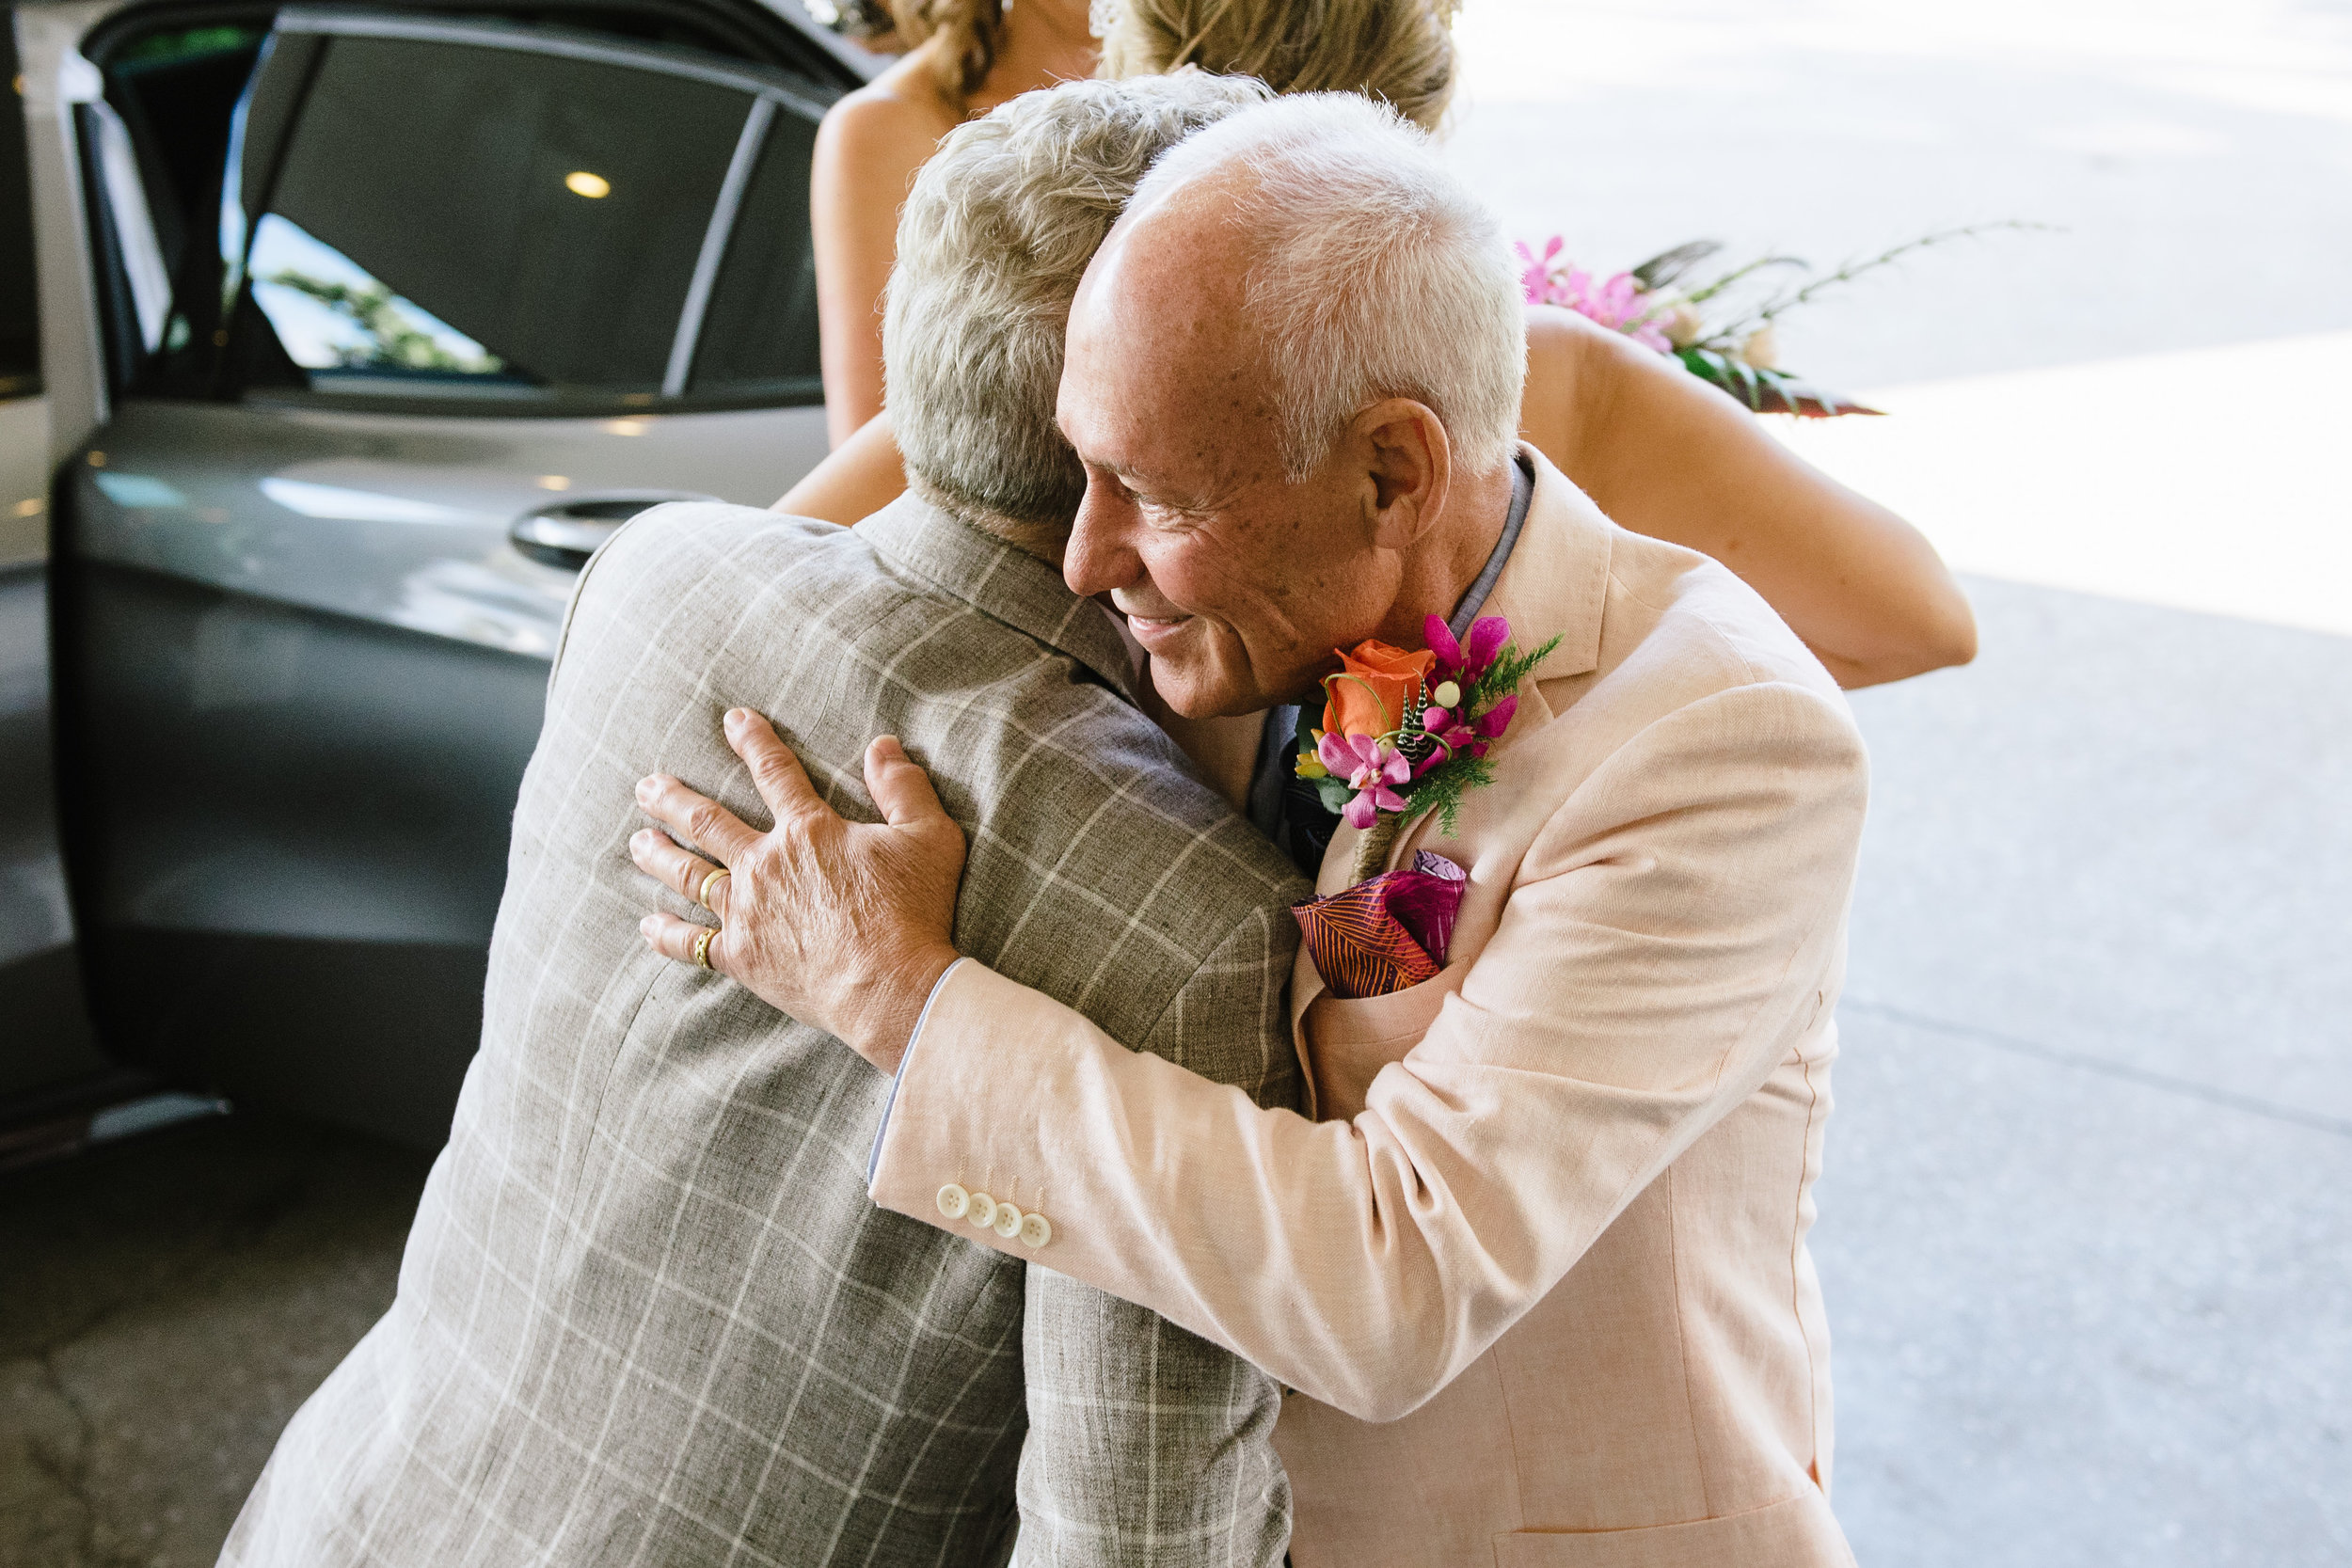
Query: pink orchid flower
[1618, 301]
[1464, 662]
[1370, 767]
[1496, 719]
[1452, 736]
[1536, 276]
[1456, 738]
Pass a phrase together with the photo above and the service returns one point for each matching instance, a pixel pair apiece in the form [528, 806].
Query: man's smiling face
[1237, 582]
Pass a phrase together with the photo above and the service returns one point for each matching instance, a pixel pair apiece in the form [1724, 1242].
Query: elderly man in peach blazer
[1535, 1263]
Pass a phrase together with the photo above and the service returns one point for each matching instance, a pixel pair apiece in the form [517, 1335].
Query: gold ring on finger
[702, 894]
[702, 946]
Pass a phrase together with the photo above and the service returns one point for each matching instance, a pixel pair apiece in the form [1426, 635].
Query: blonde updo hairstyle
[1400, 52]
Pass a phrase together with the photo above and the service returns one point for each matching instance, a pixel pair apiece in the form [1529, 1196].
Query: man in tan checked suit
[647, 1314]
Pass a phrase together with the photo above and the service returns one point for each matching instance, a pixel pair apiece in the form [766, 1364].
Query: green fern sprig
[1441, 790]
[1503, 676]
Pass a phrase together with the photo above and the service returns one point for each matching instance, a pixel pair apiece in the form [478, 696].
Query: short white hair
[1375, 273]
[995, 234]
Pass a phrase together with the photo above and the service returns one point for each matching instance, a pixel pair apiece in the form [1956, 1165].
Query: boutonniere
[1403, 734]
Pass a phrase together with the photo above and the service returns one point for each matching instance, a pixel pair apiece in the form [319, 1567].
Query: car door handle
[568, 533]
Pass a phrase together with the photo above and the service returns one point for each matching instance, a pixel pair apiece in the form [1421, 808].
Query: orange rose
[1375, 687]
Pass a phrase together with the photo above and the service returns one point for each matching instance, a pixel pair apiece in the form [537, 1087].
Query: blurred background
[2085, 1234]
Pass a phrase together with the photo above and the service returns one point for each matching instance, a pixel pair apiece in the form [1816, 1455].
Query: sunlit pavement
[2086, 1225]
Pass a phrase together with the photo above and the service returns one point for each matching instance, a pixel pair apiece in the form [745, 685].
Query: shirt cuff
[873, 1159]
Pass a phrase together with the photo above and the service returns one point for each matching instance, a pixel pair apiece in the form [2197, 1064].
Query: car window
[467, 219]
[20, 305]
[759, 336]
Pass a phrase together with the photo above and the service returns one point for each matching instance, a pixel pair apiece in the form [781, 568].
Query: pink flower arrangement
[1439, 743]
[1617, 302]
[1725, 343]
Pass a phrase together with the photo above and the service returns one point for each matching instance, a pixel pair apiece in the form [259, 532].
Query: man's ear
[1408, 468]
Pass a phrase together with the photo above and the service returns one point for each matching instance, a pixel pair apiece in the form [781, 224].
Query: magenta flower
[1535, 278]
[1370, 767]
[1464, 662]
[1617, 303]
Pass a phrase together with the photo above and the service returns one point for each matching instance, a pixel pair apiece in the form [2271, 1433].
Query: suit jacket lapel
[1002, 582]
[1555, 585]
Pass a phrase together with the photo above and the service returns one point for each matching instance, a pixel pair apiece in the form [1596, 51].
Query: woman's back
[972, 56]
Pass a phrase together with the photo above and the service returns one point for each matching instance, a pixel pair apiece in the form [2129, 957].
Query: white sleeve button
[1008, 1221]
[1036, 1229]
[954, 1202]
[983, 1211]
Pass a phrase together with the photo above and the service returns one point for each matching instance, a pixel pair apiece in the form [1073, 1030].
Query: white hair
[995, 234]
[1375, 273]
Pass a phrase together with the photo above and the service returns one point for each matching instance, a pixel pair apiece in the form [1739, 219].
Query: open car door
[405, 312]
[45, 1037]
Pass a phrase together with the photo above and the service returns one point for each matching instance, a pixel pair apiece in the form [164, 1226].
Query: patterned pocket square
[1385, 934]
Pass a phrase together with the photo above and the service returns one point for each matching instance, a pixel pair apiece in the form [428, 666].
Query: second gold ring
[702, 946]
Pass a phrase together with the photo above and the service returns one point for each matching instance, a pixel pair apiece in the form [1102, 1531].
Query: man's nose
[1098, 558]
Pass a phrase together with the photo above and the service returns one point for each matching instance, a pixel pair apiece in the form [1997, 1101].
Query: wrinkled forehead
[1159, 350]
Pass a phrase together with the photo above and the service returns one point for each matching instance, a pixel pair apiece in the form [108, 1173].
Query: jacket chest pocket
[1350, 1039]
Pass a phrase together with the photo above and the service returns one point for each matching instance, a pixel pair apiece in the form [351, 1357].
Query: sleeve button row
[989, 1214]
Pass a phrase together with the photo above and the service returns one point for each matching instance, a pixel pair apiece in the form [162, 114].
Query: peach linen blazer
[1535, 1265]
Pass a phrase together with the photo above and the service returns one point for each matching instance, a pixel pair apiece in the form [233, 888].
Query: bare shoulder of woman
[1559, 344]
[1665, 454]
[867, 150]
[888, 127]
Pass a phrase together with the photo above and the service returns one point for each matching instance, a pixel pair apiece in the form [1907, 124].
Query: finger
[777, 772]
[658, 856]
[902, 791]
[693, 816]
[673, 938]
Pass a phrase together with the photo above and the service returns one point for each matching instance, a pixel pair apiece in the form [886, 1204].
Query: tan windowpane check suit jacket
[648, 1315]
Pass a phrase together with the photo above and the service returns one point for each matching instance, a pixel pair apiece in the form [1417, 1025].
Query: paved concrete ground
[2195, 154]
[2085, 1232]
[164, 1308]
[2084, 1229]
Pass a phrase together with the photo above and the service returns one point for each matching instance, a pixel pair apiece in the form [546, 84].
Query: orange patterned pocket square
[1385, 934]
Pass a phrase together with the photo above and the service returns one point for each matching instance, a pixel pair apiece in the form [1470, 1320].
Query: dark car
[331, 342]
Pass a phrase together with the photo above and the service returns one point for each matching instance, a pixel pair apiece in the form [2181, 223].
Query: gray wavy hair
[1375, 273]
[996, 232]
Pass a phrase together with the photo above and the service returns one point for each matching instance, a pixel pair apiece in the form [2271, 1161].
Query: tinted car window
[20, 312]
[759, 337]
[460, 219]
